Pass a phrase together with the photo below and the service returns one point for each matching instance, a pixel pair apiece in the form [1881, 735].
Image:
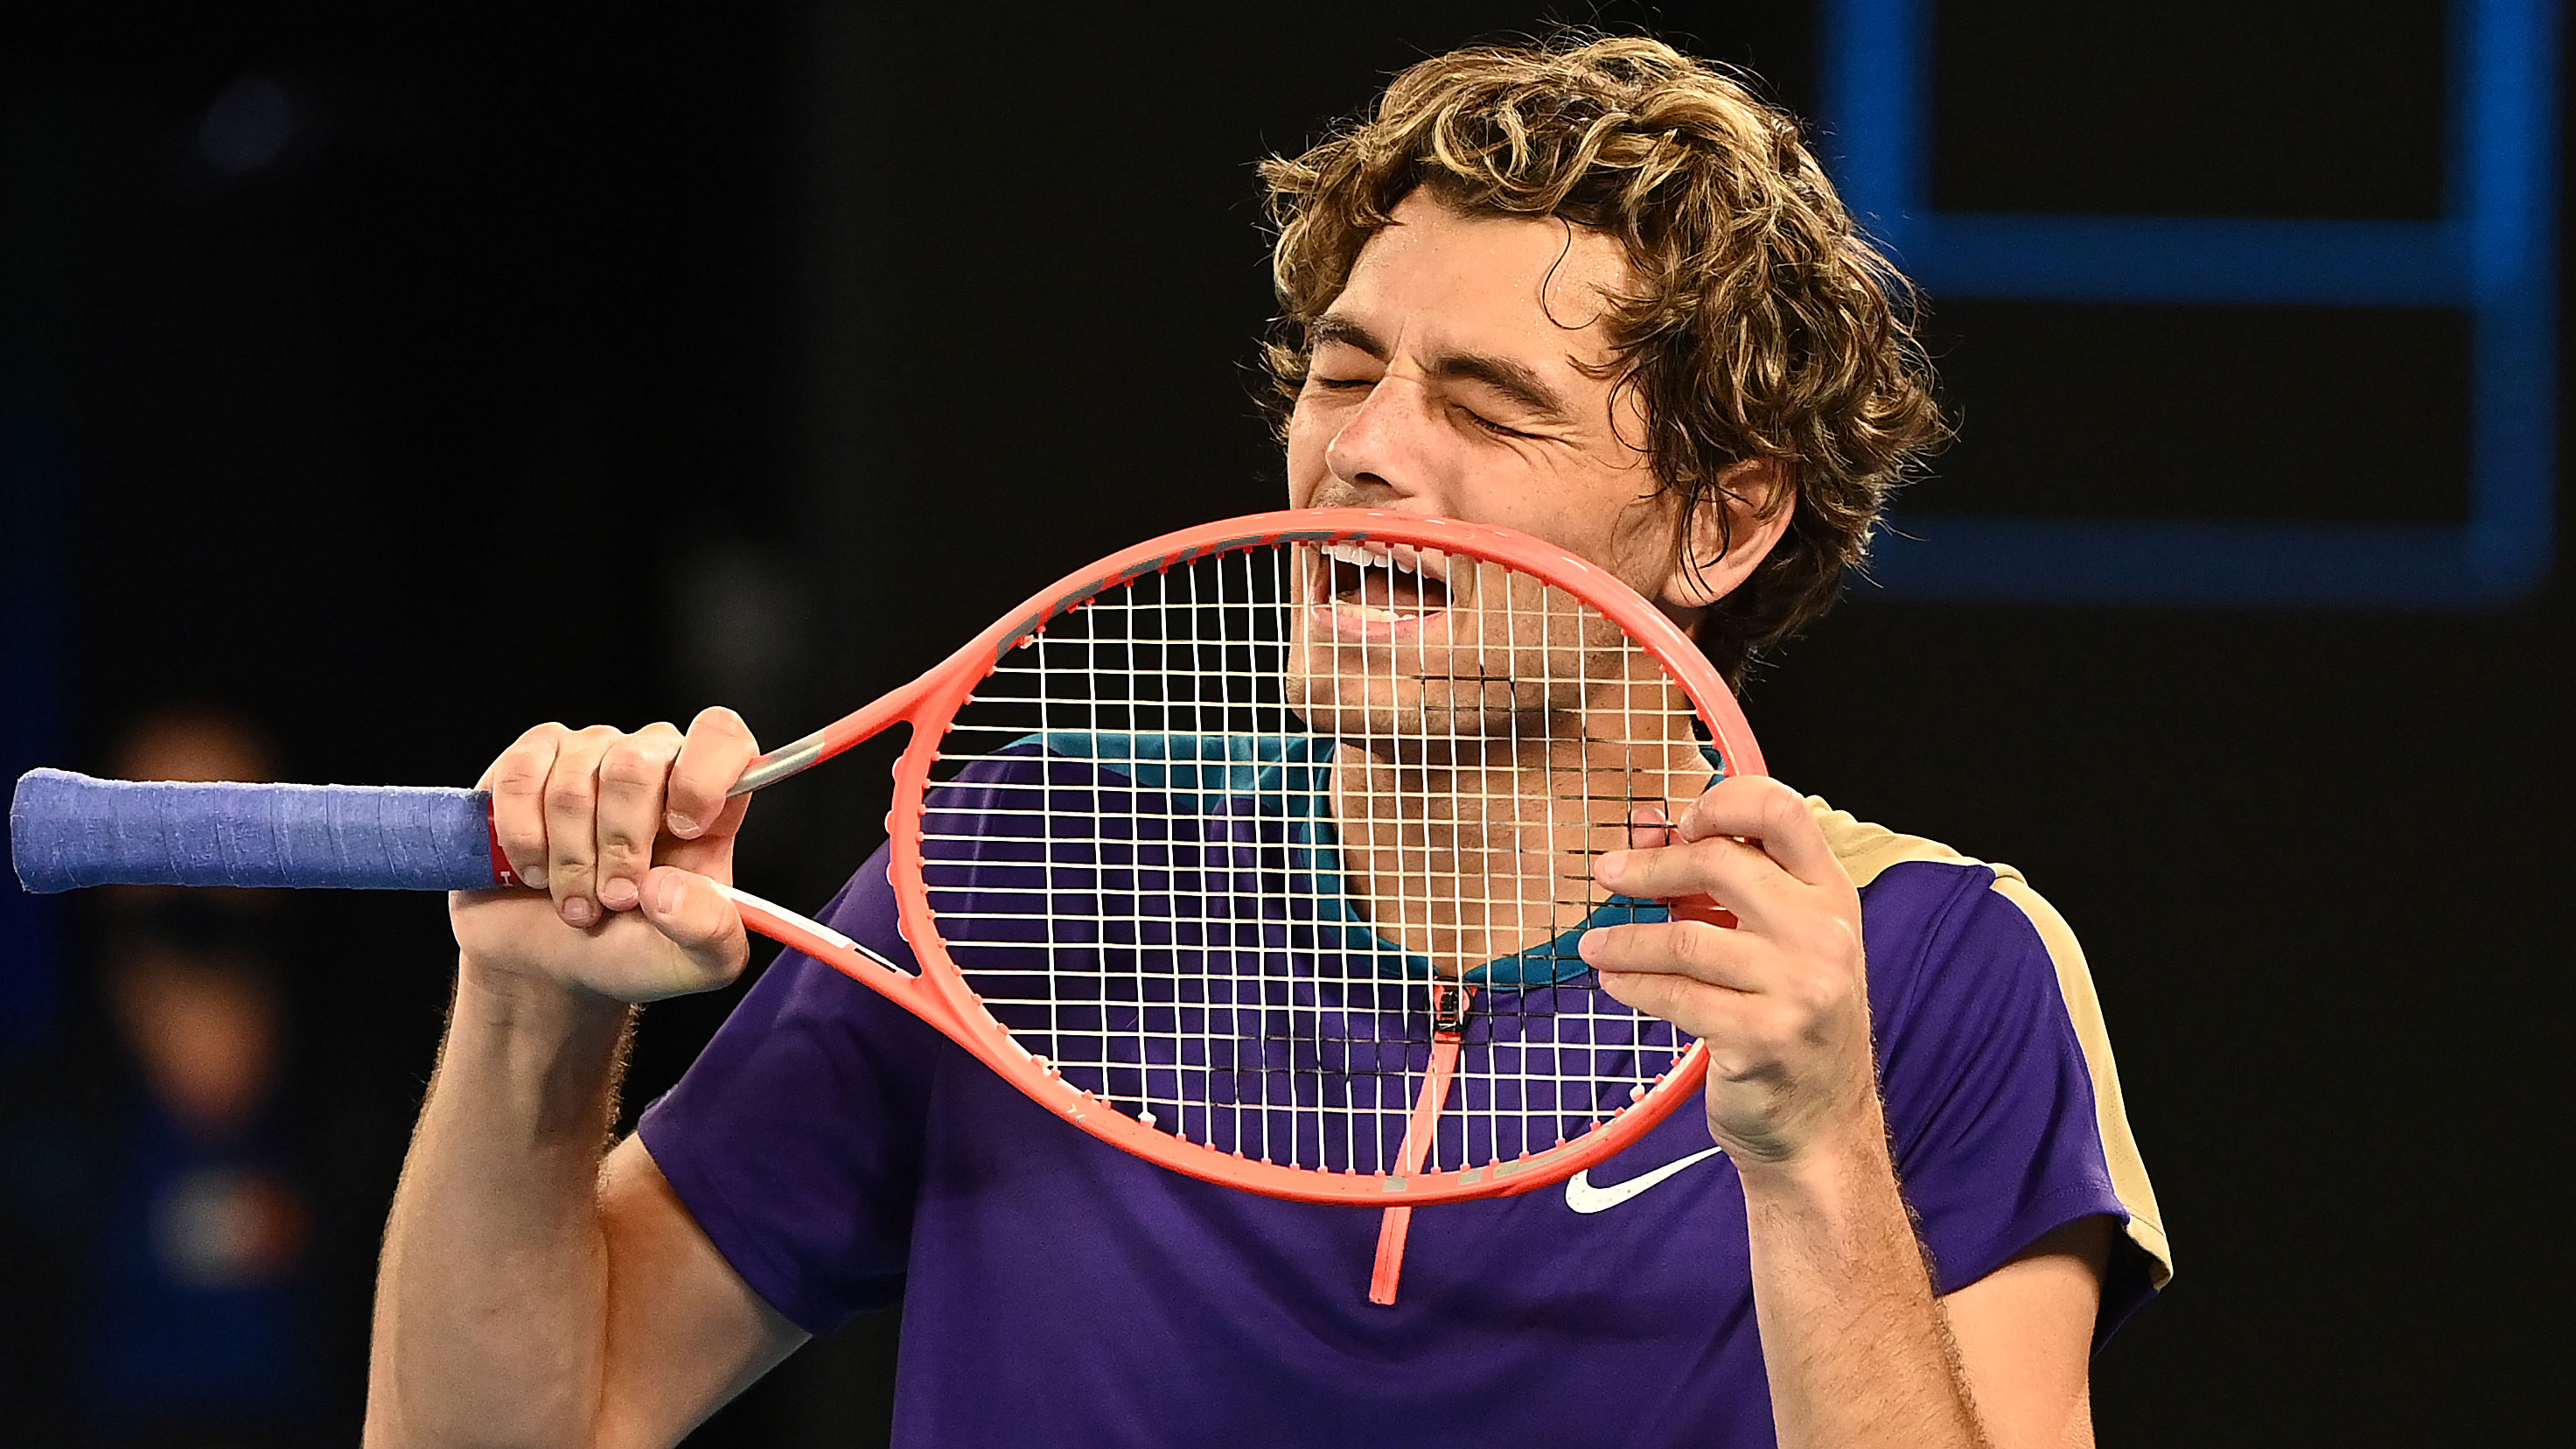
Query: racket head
[1330, 989]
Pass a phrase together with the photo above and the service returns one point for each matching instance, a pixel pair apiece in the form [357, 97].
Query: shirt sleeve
[796, 1138]
[1994, 1116]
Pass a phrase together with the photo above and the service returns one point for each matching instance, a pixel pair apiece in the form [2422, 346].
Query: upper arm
[2011, 1141]
[684, 1332]
[2025, 1337]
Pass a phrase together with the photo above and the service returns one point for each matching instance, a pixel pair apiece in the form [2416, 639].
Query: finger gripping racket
[1258, 850]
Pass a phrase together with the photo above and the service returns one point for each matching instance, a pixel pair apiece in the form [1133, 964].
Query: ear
[1729, 533]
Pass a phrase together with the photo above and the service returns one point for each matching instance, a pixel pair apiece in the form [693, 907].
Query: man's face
[1450, 378]
[1462, 373]
[1456, 376]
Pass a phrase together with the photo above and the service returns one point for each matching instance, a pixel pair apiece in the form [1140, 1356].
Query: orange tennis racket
[1257, 850]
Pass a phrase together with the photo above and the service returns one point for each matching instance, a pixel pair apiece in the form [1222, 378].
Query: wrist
[1846, 1161]
[532, 1050]
[525, 1005]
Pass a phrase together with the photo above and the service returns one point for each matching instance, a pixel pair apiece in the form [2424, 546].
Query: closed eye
[1495, 428]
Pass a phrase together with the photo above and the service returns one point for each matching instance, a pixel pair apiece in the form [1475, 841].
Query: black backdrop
[599, 363]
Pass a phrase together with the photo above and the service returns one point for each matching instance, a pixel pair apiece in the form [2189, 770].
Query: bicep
[684, 1333]
[2025, 1336]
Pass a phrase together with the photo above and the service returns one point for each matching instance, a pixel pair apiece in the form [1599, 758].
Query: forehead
[1438, 279]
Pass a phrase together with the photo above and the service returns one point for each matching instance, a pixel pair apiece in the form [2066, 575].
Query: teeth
[1402, 559]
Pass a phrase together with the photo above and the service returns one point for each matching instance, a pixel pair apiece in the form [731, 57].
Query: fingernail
[617, 893]
[1611, 863]
[666, 892]
[576, 910]
[535, 876]
[1583, 946]
[680, 824]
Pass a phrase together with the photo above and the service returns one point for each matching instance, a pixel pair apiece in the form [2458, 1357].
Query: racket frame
[940, 995]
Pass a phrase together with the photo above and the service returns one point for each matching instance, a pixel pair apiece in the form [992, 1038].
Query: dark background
[597, 363]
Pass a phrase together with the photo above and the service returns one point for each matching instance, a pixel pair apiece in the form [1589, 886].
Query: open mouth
[1390, 582]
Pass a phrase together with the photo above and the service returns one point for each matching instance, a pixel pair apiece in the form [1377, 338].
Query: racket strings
[1203, 842]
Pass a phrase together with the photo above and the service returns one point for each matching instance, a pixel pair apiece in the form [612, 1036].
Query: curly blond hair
[1761, 324]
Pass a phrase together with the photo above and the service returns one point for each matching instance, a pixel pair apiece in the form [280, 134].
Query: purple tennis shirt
[1056, 1290]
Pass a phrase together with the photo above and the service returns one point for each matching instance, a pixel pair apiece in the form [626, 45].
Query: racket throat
[1449, 1001]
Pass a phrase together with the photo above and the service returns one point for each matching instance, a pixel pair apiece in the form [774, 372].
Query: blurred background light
[246, 128]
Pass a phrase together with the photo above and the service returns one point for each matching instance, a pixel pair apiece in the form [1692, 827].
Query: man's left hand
[1782, 998]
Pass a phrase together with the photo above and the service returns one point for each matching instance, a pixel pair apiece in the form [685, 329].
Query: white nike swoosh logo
[1583, 1197]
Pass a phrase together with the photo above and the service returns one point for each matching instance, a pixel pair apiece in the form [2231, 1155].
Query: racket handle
[68, 830]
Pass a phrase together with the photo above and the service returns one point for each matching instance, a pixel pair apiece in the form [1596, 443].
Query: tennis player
[1596, 292]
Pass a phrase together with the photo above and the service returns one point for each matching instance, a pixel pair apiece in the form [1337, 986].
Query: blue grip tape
[68, 830]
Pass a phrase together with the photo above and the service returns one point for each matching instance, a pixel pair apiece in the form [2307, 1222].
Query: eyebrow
[1512, 378]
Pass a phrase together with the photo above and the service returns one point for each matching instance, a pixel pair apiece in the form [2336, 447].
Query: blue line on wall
[2492, 256]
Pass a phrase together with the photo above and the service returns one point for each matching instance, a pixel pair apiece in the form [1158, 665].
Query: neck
[1483, 847]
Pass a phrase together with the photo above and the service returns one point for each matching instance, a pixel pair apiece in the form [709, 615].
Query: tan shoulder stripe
[1865, 849]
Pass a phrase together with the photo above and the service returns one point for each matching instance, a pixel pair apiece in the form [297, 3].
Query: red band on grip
[502, 875]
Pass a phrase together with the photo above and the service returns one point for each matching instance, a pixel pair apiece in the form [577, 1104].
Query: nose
[1383, 454]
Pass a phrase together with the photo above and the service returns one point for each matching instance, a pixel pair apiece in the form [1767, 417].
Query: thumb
[688, 909]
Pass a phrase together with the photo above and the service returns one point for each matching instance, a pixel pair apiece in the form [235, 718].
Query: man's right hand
[530, 1293]
[627, 835]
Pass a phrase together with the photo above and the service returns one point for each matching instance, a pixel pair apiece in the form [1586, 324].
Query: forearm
[492, 1292]
[1853, 1338]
